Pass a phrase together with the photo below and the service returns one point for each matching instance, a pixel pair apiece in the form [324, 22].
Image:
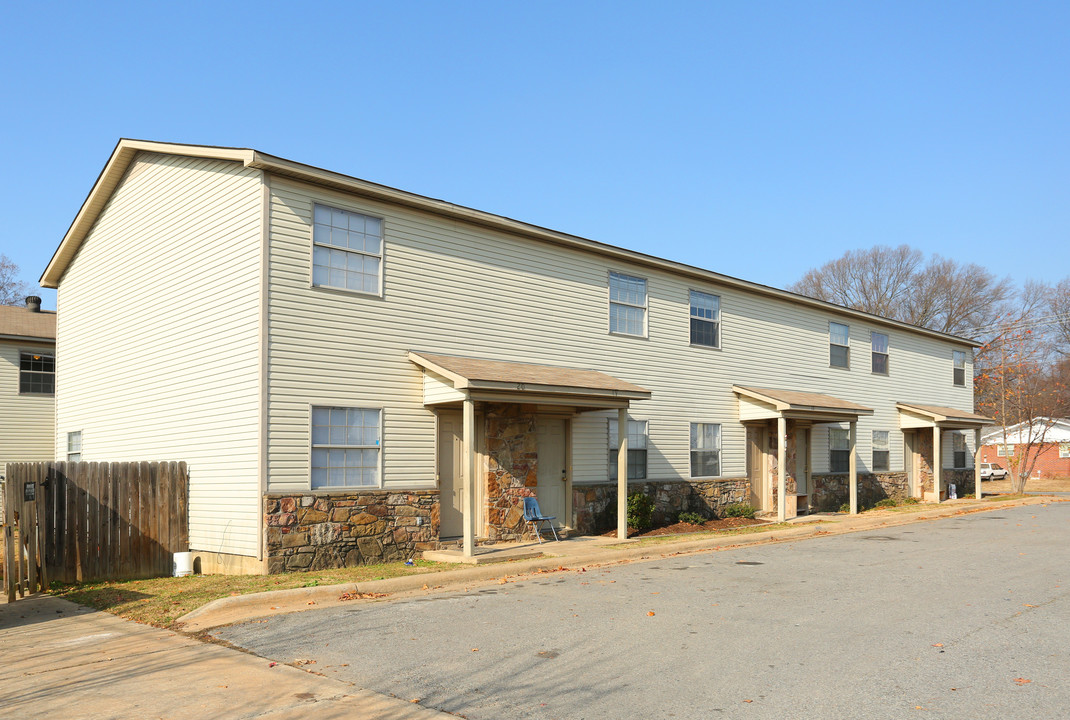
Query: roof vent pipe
[33, 303]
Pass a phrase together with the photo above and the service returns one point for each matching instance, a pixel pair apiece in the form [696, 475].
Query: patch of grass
[1000, 498]
[161, 601]
[682, 537]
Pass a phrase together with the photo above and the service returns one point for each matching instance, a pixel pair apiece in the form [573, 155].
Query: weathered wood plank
[9, 536]
[147, 520]
[70, 556]
[164, 514]
[29, 515]
[183, 507]
[115, 536]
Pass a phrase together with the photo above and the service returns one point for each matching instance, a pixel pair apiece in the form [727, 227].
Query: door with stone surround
[450, 475]
[551, 471]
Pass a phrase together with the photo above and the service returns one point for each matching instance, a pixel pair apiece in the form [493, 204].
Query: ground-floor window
[74, 446]
[958, 446]
[705, 450]
[345, 447]
[839, 450]
[880, 451]
[1004, 450]
[637, 442]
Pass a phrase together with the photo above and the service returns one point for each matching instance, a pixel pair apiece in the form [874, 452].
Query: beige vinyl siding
[454, 288]
[27, 422]
[158, 337]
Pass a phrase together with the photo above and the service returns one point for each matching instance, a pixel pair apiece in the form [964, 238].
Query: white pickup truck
[992, 471]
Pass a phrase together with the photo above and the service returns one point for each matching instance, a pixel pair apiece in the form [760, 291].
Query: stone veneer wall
[833, 490]
[594, 507]
[315, 531]
[512, 467]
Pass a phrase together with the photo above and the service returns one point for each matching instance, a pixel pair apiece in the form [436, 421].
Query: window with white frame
[627, 304]
[1064, 450]
[705, 450]
[959, 358]
[345, 447]
[347, 250]
[74, 446]
[839, 339]
[958, 447]
[839, 450]
[37, 373]
[705, 319]
[879, 343]
[880, 451]
[1004, 450]
[637, 442]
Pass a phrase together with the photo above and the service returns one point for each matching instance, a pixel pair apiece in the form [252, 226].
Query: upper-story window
[37, 373]
[627, 304]
[879, 341]
[1004, 450]
[347, 250]
[839, 352]
[959, 358]
[705, 319]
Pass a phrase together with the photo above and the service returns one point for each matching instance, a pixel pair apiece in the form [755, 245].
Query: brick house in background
[1054, 459]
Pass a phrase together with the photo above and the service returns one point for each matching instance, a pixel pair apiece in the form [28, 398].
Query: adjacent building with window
[27, 382]
[1007, 449]
[355, 373]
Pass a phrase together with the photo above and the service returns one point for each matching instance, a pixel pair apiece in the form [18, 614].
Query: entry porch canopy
[915, 416]
[782, 405]
[454, 380]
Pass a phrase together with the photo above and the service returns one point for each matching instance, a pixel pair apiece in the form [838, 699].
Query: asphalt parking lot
[960, 618]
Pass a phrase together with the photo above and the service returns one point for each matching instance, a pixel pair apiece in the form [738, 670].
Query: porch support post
[781, 468]
[468, 491]
[937, 462]
[622, 474]
[976, 463]
[852, 467]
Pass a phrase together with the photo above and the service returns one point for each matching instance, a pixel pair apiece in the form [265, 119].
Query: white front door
[552, 472]
[450, 475]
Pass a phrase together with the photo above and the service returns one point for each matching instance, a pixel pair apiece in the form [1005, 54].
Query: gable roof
[1059, 431]
[126, 150]
[18, 323]
[939, 413]
[797, 400]
[467, 372]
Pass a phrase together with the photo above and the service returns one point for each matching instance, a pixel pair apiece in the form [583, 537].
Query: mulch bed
[682, 527]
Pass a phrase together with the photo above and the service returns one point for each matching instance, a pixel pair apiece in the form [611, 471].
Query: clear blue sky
[757, 139]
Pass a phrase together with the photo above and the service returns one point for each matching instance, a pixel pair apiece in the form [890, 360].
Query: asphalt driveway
[961, 618]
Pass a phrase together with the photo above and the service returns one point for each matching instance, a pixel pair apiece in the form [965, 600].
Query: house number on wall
[520, 386]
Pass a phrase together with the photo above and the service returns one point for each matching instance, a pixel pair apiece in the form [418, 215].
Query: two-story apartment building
[27, 382]
[354, 372]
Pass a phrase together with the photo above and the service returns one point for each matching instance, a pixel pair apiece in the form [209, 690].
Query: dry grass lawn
[1059, 484]
[161, 601]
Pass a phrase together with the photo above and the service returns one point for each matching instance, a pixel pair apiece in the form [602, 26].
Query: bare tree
[1017, 384]
[1060, 307]
[12, 290]
[896, 283]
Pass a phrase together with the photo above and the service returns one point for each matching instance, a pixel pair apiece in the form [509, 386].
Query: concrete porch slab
[486, 554]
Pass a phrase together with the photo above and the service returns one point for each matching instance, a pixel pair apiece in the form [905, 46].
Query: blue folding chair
[533, 516]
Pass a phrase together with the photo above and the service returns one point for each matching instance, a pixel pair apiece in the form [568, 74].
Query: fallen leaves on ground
[938, 644]
[650, 614]
[1022, 681]
[360, 596]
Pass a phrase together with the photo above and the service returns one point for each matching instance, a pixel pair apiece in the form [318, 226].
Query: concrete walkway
[572, 553]
[61, 660]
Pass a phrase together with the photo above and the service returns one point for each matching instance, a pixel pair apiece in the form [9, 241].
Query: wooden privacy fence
[72, 522]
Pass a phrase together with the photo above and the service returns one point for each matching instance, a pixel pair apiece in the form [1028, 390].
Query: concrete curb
[238, 608]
